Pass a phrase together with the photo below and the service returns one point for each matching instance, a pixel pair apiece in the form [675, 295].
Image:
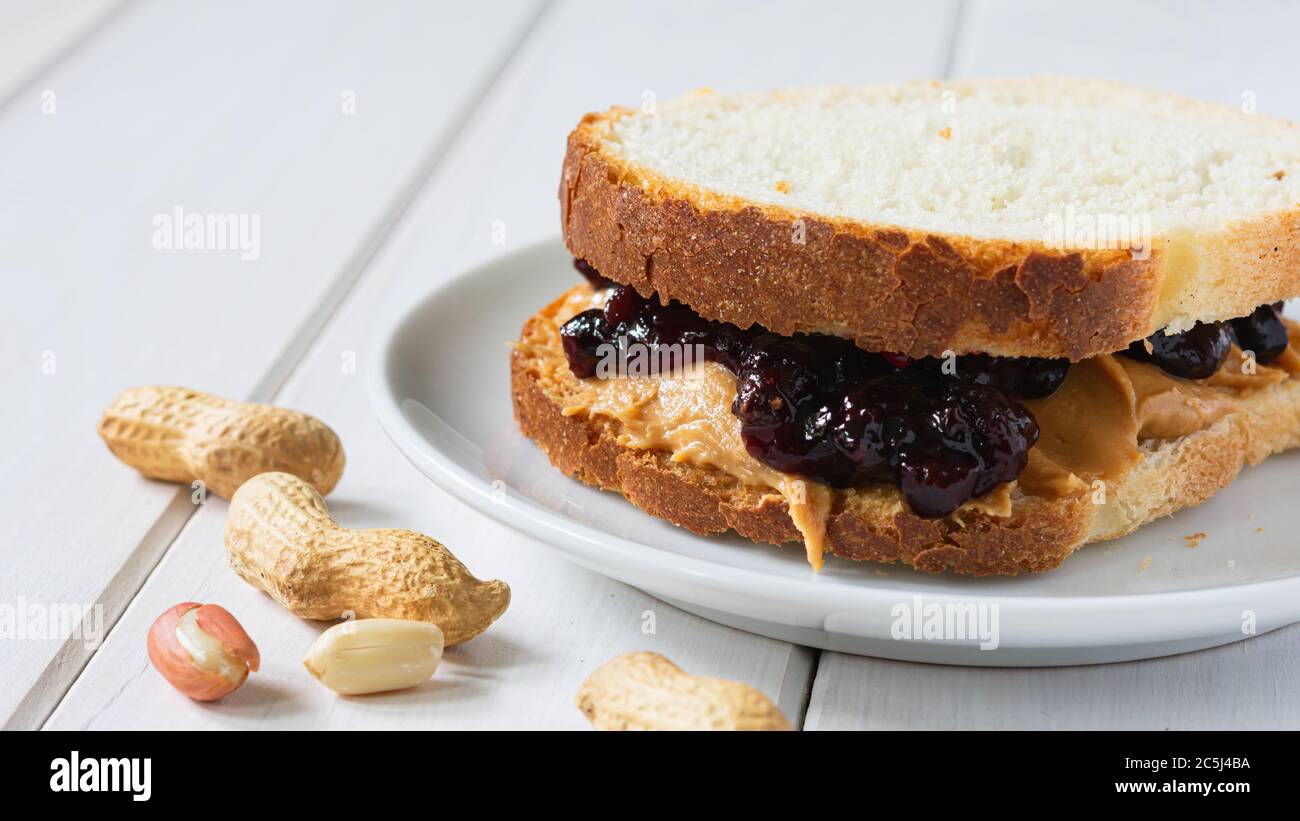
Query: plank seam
[47, 66]
[140, 564]
[806, 702]
[954, 39]
[355, 269]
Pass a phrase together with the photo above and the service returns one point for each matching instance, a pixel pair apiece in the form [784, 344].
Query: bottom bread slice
[1038, 534]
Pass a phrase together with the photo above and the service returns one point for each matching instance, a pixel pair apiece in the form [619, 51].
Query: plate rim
[1083, 620]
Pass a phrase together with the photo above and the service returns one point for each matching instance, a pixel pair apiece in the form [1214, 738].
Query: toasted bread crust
[911, 292]
[1038, 535]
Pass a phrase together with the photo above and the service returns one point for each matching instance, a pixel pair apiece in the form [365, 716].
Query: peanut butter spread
[1089, 428]
[1289, 361]
[1169, 408]
[1240, 373]
[686, 413]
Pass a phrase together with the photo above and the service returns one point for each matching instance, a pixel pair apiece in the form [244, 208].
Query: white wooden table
[382, 146]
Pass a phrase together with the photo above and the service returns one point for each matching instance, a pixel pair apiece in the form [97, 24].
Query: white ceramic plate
[438, 379]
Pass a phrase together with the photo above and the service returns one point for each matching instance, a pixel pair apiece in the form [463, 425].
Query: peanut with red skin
[209, 668]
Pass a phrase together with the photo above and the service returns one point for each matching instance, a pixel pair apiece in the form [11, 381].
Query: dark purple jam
[1194, 354]
[1198, 352]
[819, 406]
[596, 278]
[1263, 332]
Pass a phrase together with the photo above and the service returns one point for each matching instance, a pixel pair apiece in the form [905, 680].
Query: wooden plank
[501, 176]
[34, 34]
[1206, 50]
[1248, 685]
[213, 109]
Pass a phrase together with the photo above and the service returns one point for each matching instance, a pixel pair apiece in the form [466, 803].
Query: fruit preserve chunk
[1263, 332]
[596, 278]
[1199, 351]
[1194, 354]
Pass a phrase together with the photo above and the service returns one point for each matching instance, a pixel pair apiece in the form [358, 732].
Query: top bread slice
[1025, 217]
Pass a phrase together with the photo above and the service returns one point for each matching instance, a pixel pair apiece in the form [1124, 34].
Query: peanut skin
[280, 538]
[183, 435]
[645, 691]
[176, 663]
